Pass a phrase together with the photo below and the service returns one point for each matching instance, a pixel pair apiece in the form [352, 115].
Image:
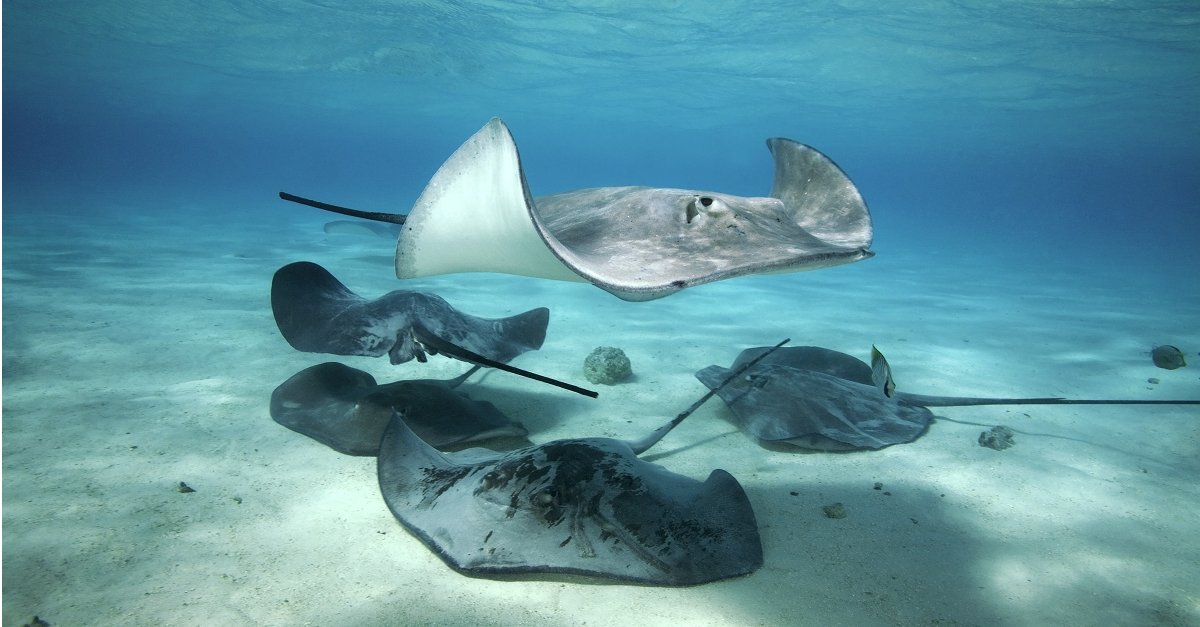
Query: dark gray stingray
[821, 399]
[317, 314]
[584, 506]
[343, 408]
[638, 243]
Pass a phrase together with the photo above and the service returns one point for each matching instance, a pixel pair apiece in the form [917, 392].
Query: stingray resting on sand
[638, 243]
[583, 506]
[343, 408]
[816, 398]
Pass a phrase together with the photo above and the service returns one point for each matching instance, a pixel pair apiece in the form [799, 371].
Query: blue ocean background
[1037, 129]
[1033, 172]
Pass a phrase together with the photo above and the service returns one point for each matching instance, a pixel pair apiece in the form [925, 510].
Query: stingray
[583, 506]
[343, 408]
[817, 398]
[316, 313]
[638, 243]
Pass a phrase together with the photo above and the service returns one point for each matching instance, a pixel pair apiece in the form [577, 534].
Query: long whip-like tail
[394, 218]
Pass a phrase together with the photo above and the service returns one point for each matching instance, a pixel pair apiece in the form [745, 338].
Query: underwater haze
[1067, 127]
[1032, 169]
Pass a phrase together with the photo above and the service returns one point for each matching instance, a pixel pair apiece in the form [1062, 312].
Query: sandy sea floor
[140, 351]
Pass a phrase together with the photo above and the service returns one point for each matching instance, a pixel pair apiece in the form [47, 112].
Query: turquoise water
[1031, 171]
[1064, 125]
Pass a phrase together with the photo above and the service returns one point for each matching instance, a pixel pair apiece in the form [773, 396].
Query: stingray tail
[644, 444]
[434, 344]
[965, 401]
[394, 218]
[457, 381]
[881, 374]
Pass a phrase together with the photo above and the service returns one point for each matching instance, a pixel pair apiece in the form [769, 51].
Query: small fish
[1168, 357]
[881, 372]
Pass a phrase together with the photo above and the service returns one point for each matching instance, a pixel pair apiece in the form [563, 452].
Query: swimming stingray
[639, 243]
[317, 314]
[821, 399]
[343, 408]
[584, 506]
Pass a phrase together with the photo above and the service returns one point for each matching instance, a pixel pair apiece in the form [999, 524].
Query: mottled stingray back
[583, 506]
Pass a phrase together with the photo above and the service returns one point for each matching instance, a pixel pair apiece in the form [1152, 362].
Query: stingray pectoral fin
[304, 298]
[526, 329]
[476, 215]
[439, 415]
[819, 195]
[322, 402]
[676, 531]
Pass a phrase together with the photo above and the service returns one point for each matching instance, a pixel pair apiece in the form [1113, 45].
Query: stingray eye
[495, 479]
[706, 204]
[545, 498]
[546, 507]
[756, 381]
[713, 206]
